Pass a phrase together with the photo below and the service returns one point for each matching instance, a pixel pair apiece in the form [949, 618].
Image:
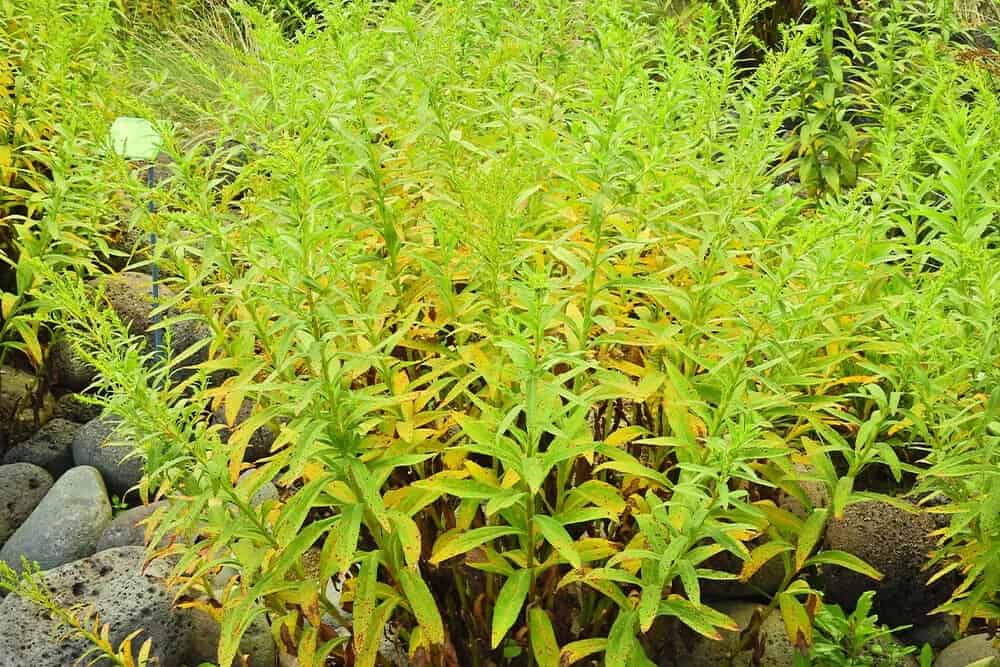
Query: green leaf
[543, 638]
[556, 535]
[649, 599]
[841, 494]
[535, 472]
[845, 560]
[927, 656]
[889, 457]
[621, 640]
[135, 138]
[369, 490]
[868, 431]
[509, 603]
[422, 604]
[461, 488]
[291, 554]
[470, 540]
[502, 500]
[689, 579]
[809, 537]
[632, 467]
[338, 551]
[294, 512]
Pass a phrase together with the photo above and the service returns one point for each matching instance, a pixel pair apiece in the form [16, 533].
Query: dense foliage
[546, 303]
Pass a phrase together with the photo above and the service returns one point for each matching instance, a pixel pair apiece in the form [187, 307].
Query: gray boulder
[976, 650]
[815, 492]
[255, 643]
[129, 294]
[66, 524]
[72, 407]
[95, 445]
[22, 409]
[51, 448]
[22, 487]
[67, 369]
[938, 631]
[896, 543]
[693, 650]
[126, 529]
[130, 245]
[113, 586]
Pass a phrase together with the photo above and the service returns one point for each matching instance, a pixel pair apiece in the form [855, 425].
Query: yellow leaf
[509, 479]
[313, 470]
[896, 428]
[29, 335]
[481, 474]
[234, 401]
[453, 459]
[342, 492]
[7, 303]
[626, 367]
[798, 624]
[399, 382]
[405, 431]
[624, 435]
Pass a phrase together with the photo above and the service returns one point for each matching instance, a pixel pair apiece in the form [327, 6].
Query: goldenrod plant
[548, 305]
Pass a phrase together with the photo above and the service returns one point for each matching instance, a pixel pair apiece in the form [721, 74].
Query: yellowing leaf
[761, 555]
[399, 382]
[543, 638]
[699, 617]
[422, 604]
[451, 545]
[409, 537]
[855, 379]
[7, 303]
[481, 474]
[340, 491]
[624, 435]
[845, 560]
[583, 648]
[29, 335]
[364, 608]
[798, 624]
